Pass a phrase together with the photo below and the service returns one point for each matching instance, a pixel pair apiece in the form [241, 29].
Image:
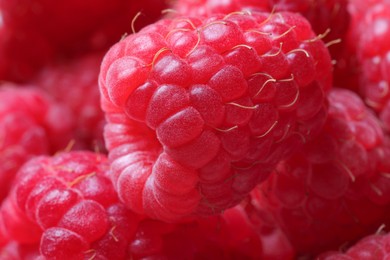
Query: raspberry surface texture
[30, 124]
[74, 84]
[200, 111]
[335, 190]
[67, 204]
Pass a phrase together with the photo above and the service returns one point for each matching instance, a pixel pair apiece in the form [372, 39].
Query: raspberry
[72, 206]
[74, 85]
[371, 247]
[326, 194]
[29, 126]
[232, 92]
[26, 25]
[226, 236]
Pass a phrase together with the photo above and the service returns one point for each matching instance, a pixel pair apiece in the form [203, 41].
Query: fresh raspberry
[70, 207]
[44, 25]
[328, 18]
[371, 247]
[327, 194]
[226, 236]
[200, 111]
[30, 124]
[75, 85]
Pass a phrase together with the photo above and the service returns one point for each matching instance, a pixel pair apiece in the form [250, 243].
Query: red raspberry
[45, 25]
[200, 111]
[371, 247]
[70, 206]
[326, 194]
[75, 85]
[226, 236]
[29, 126]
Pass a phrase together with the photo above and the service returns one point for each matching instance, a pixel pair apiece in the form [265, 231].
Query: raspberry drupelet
[201, 110]
[67, 204]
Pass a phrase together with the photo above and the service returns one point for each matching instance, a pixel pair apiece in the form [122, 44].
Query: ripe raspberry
[47, 23]
[75, 85]
[371, 247]
[29, 126]
[226, 236]
[71, 204]
[236, 92]
[327, 194]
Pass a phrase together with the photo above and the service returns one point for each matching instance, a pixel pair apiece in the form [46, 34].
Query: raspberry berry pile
[207, 129]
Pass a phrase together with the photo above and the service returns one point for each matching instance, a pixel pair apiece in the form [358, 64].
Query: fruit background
[186, 129]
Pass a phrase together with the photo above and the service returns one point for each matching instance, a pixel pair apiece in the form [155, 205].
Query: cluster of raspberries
[184, 129]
